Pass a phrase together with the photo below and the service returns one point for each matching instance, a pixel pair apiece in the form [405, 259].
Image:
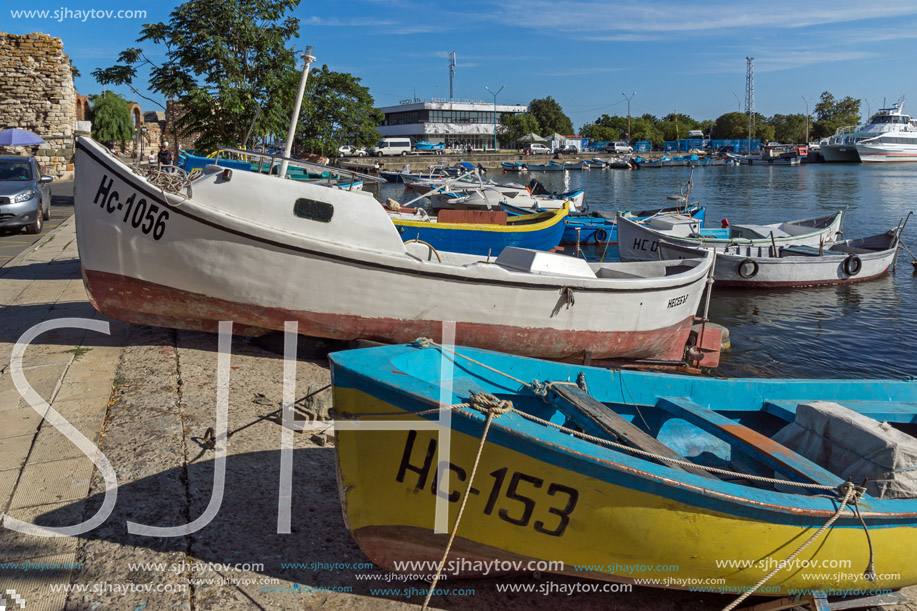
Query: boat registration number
[674, 302]
[516, 497]
[138, 213]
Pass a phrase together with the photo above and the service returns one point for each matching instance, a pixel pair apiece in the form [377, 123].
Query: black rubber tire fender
[742, 267]
[600, 235]
[853, 265]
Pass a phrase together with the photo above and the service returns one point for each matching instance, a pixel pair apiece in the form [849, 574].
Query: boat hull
[210, 263]
[597, 230]
[484, 239]
[553, 500]
[639, 243]
[872, 153]
[839, 153]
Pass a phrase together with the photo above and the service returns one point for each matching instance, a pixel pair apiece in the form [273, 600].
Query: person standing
[164, 157]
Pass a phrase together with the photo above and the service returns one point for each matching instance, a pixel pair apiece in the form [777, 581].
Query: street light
[495, 111]
[628, 111]
[807, 118]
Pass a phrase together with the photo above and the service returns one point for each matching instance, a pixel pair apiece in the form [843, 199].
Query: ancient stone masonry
[37, 94]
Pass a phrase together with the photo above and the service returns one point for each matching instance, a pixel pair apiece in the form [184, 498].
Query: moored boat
[640, 241]
[482, 232]
[623, 476]
[599, 227]
[842, 262]
[260, 251]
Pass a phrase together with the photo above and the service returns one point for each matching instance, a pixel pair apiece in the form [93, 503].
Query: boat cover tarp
[854, 446]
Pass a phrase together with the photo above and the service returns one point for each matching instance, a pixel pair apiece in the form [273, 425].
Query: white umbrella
[532, 138]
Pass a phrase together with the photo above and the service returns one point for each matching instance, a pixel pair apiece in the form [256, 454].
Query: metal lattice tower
[451, 74]
[750, 98]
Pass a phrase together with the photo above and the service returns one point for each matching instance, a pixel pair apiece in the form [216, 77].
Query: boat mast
[291, 133]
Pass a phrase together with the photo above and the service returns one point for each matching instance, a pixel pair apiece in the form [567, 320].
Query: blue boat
[514, 166]
[475, 232]
[190, 162]
[550, 167]
[599, 227]
[439, 148]
[672, 480]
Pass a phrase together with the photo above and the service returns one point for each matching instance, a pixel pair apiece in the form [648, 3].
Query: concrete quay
[146, 397]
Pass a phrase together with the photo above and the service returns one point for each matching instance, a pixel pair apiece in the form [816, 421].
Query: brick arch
[136, 114]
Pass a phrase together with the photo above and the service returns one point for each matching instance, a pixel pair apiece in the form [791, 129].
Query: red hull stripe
[146, 303]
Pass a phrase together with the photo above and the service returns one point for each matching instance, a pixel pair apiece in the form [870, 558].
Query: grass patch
[78, 352]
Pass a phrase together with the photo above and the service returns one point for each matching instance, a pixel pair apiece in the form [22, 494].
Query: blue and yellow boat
[664, 480]
[462, 231]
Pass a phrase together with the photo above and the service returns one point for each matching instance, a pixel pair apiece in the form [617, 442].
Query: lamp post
[495, 111]
[738, 102]
[628, 111]
[807, 118]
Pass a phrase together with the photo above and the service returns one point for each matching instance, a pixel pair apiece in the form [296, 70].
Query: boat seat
[753, 443]
[851, 249]
[884, 411]
[590, 414]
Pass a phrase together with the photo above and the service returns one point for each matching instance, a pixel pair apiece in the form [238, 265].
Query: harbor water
[861, 330]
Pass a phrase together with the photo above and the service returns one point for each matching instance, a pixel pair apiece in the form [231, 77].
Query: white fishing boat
[639, 241]
[261, 250]
[760, 266]
[492, 197]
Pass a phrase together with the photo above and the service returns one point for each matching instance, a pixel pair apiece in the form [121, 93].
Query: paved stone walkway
[146, 397]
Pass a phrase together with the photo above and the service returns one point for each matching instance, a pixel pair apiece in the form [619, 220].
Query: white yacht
[890, 135]
[896, 139]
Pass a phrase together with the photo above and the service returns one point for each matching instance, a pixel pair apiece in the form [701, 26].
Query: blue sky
[677, 55]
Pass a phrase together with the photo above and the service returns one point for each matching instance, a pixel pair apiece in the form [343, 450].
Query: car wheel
[404, 153]
[36, 226]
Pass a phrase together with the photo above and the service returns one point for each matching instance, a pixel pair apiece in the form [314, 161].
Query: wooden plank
[752, 442]
[476, 217]
[611, 423]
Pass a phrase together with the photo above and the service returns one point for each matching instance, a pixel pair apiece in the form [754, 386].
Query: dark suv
[25, 194]
[567, 148]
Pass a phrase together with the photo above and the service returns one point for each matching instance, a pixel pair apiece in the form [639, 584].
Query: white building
[454, 123]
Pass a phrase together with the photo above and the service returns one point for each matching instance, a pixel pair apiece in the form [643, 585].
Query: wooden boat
[484, 196]
[759, 266]
[640, 241]
[574, 165]
[550, 167]
[482, 232]
[599, 227]
[515, 166]
[565, 494]
[595, 164]
[261, 251]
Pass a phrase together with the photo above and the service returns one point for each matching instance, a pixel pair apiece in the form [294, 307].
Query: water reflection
[855, 331]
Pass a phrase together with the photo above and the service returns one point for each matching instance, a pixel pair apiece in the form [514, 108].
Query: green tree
[645, 128]
[225, 59]
[513, 127]
[336, 110]
[111, 118]
[831, 114]
[606, 128]
[731, 125]
[676, 125]
[550, 116]
[789, 128]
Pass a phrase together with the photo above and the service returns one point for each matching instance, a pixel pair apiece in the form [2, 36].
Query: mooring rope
[175, 180]
[849, 491]
[493, 407]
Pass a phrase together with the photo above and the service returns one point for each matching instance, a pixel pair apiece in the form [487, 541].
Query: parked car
[536, 148]
[391, 146]
[567, 148]
[25, 194]
[619, 147]
[352, 151]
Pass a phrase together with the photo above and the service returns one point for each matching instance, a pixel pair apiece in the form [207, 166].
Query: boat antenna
[291, 133]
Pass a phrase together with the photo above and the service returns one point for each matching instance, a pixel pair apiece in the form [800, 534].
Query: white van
[391, 146]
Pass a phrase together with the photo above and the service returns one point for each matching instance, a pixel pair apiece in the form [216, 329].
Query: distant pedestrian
[470, 150]
[164, 158]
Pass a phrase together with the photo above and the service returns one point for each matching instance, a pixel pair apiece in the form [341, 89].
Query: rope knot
[488, 404]
[539, 388]
[423, 342]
